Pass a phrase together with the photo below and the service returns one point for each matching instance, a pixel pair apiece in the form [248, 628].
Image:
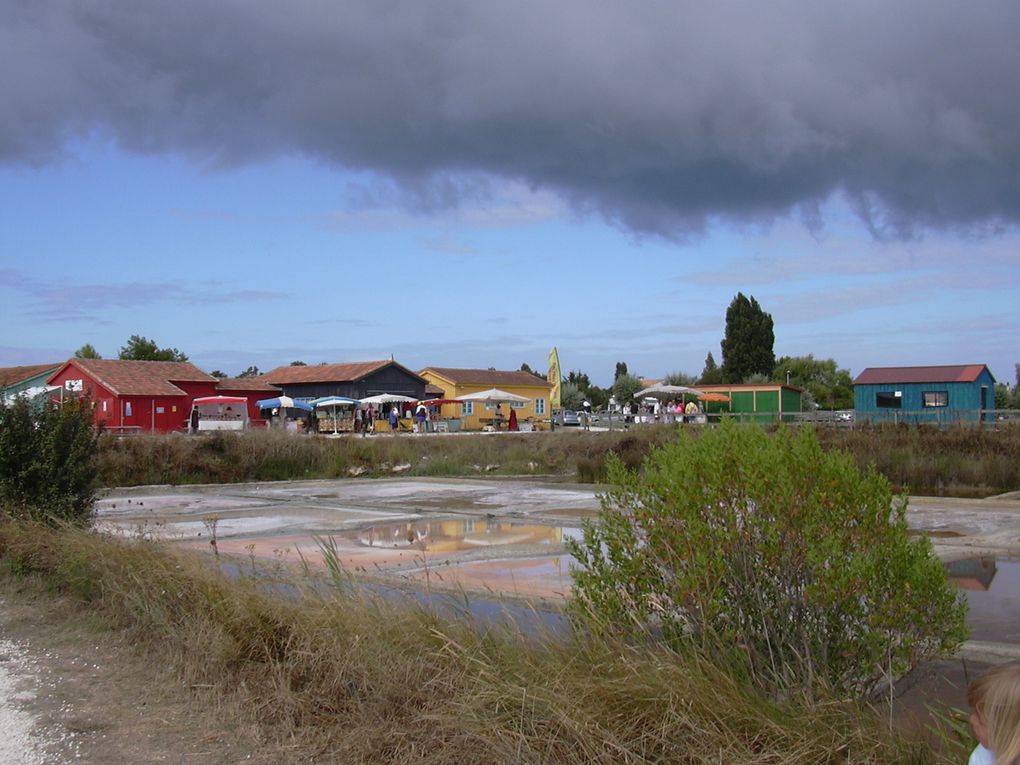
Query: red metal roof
[324, 372]
[490, 377]
[952, 373]
[141, 378]
[14, 375]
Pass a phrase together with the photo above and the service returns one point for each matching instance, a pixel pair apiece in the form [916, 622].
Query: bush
[48, 461]
[315, 674]
[763, 548]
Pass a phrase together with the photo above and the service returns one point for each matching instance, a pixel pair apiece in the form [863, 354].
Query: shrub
[789, 560]
[315, 674]
[48, 462]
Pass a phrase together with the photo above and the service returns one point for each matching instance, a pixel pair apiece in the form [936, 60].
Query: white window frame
[469, 408]
[539, 406]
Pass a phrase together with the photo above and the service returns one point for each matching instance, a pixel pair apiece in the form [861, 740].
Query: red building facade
[136, 396]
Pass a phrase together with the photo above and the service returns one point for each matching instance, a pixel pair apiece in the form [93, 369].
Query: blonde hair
[995, 696]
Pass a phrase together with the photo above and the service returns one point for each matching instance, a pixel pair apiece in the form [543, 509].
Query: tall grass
[352, 678]
[961, 460]
[958, 461]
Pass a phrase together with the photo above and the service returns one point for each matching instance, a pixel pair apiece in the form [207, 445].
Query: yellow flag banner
[554, 379]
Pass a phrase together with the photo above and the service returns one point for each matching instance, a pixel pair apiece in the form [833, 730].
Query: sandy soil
[88, 696]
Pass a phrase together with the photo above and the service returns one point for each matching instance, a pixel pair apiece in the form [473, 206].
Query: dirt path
[76, 691]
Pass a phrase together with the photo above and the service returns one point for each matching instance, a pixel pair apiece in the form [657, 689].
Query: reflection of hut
[453, 535]
[975, 574]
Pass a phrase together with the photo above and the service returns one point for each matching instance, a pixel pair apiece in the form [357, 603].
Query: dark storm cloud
[658, 115]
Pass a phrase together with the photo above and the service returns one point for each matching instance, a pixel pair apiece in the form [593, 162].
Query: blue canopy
[283, 402]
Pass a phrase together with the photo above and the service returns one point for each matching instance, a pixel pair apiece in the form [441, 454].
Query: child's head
[994, 698]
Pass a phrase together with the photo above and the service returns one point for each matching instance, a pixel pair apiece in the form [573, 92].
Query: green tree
[140, 348]
[768, 552]
[598, 397]
[525, 367]
[679, 378]
[218, 374]
[747, 347]
[298, 364]
[580, 382]
[711, 374]
[571, 396]
[580, 379]
[87, 351]
[252, 371]
[48, 461]
[829, 386]
[625, 387]
[1003, 396]
[621, 369]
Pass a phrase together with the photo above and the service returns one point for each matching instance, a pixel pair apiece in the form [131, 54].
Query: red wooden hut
[135, 396]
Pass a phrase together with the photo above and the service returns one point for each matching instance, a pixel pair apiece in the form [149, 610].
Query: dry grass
[352, 678]
[958, 461]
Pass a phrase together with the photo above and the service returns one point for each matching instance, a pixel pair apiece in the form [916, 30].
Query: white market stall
[340, 409]
[219, 413]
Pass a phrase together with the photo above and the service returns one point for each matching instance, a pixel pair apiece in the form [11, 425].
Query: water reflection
[974, 574]
[456, 534]
[992, 587]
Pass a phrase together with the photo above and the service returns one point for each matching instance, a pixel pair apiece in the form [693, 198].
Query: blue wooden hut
[938, 395]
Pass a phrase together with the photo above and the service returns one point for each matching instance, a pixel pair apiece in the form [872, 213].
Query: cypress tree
[747, 348]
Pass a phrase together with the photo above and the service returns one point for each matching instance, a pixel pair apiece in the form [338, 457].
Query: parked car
[567, 417]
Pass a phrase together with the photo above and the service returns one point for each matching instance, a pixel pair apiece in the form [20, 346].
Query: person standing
[421, 414]
[691, 411]
[370, 419]
[586, 415]
[394, 418]
[357, 420]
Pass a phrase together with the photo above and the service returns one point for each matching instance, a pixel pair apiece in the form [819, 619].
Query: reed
[331, 674]
[957, 461]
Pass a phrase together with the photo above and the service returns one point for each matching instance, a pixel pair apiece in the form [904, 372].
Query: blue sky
[244, 231]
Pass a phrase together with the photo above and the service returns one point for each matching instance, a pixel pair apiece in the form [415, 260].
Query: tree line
[748, 356]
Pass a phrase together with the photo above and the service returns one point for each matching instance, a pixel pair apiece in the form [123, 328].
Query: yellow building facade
[455, 383]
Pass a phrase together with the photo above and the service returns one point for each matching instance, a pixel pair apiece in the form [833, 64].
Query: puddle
[457, 534]
[993, 593]
[545, 577]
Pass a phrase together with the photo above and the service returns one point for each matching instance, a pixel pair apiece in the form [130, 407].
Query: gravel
[21, 740]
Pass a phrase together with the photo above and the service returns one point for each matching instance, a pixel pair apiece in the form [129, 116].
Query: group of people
[670, 411]
[511, 419]
[364, 420]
